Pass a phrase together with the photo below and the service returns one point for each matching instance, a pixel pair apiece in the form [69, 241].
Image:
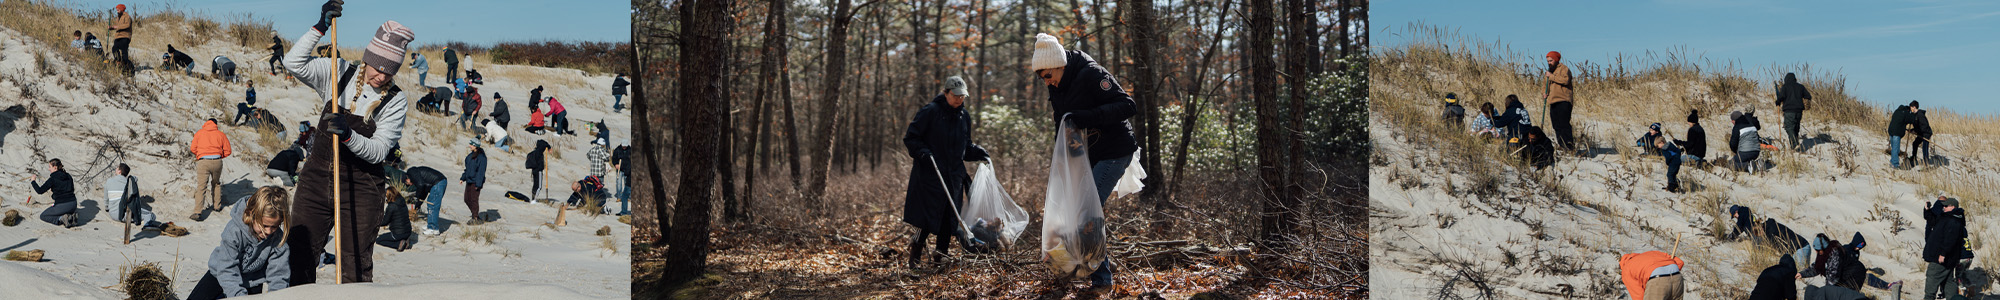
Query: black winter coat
[944, 133]
[1775, 283]
[1922, 121]
[500, 112]
[1697, 141]
[1899, 120]
[1096, 102]
[535, 157]
[618, 86]
[1792, 95]
[1946, 237]
[287, 161]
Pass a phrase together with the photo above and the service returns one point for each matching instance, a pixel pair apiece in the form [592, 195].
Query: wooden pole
[333, 72]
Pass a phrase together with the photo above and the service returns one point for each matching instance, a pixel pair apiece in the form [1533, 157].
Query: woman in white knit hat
[1094, 102]
[357, 131]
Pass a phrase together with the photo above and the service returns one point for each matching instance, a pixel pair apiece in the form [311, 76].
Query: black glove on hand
[922, 154]
[327, 12]
[976, 153]
[337, 125]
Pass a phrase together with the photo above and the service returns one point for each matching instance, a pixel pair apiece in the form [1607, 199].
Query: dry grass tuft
[27, 256]
[479, 234]
[146, 281]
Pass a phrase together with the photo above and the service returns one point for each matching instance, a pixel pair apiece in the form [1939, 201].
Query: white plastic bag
[1129, 184]
[991, 215]
[1072, 215]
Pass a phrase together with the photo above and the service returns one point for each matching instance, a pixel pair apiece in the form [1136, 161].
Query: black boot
[916, 250]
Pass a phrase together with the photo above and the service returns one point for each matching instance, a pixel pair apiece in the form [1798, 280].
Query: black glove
[327, 12]
[337, 125]
[976, 153]
[924, 153]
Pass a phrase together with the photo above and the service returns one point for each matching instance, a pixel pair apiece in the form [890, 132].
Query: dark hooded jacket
[287, 160]
[618, 86]
[1921, 121]
[535, 160]
[1736, 135]
[1792, 95]
[1540, 152]
[475, 169]
[1946, 238]
[1697, 141]
[1513, 118]
[64, 190]
[1776, 282]
[1095, 101]
[1899, 120]
[500, 111]
[942, 133]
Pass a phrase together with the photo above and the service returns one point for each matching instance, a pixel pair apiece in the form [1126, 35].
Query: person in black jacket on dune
[1696, 143]
[1942, 243]
[62, 190]
[1776, 282]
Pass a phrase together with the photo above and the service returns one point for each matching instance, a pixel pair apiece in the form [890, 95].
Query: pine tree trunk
[704, 43]
[1270, 140]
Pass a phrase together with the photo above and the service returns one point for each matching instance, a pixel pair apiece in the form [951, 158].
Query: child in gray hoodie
[251, 259]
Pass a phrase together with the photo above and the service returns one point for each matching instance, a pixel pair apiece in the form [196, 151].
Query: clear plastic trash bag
[1129, 184]
[995, 220]
[1072, 216]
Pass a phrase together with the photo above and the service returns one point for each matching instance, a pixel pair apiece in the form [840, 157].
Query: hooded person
[1453, 112]
[1793, 99]
[358, 131]
[1088, 96]
[1537, 150]
[248, 109]
[177, 59]
[210, 146]
[1560, 93]
[1652, 275]
[1514, 119]
[938, 139]
[1776, 281]
[1899, 122]
[277, 53]
[251, 259]
[537, 163]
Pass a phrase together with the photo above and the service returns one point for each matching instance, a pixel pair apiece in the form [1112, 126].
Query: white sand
[1429, 229]
[93, 132]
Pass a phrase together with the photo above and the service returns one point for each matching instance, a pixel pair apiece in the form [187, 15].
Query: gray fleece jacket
[243, 261]
[359, 97]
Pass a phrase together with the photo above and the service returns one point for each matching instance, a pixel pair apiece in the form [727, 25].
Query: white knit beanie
[1048, 53]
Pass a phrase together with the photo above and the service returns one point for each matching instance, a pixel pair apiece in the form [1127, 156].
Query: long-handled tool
[333, 75]
[947, 194]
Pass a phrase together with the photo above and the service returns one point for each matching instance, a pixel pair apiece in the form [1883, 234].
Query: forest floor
[857, 249]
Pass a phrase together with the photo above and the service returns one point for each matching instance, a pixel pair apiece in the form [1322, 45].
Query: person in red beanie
[1561, 87]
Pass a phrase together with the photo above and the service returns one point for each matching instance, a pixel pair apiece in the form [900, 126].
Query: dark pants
[617, 101]
[472, 200]
[450, 74]
[1559, 118]
[560, 122]
[1673, 173]
[121, 52]
[209, 288]
[1105, 174]
[1792, 129]
[54, 214]
[1921, 149]
[917, 245]
[1744, 159]
[274, 63]
[244, 110]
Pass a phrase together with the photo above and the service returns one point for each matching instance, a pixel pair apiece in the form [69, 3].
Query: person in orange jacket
[1652, 275]
[535, 122]
[210, 146]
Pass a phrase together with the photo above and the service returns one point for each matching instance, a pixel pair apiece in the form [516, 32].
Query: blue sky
[479, 22]
[1942, 53]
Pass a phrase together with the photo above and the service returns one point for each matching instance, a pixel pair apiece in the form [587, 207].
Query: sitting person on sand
[251, 259]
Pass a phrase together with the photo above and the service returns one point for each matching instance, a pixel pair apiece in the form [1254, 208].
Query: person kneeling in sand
[253, 252]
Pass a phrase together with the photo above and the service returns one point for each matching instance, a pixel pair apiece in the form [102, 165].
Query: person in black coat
[62, 190]
[1514, 118]
[618, 92]
[1539, 152]
[1920, 147]
[537, 164]
[499, 113]
[1696, 143]
[285, 166]
[1943, 244]
[1793, 99]
[938, 138]
[1776, 282]
[1899, 122]
[1095, 103]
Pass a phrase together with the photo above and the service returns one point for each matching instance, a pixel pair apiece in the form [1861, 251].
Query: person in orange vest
[1652, 275]
[210, 146]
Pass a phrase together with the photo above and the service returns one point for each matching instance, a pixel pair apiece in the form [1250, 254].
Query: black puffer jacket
[1899, 120]
[535, 158]
[1792, 95]
[500, 111]
[1697, 141]
[944, 133]
[1096, 102]
[1946, 238]
[1922, 123]
[1775, 283]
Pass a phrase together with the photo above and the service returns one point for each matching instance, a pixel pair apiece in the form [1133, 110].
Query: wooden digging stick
[562, 207]
[333, 73]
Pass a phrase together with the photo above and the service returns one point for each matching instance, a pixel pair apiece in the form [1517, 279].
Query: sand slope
[66, 114]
